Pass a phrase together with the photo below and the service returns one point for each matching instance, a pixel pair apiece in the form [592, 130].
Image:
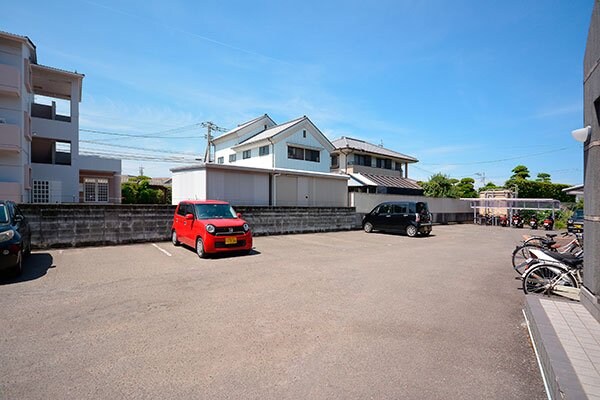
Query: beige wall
[238, 188]
[365, 202]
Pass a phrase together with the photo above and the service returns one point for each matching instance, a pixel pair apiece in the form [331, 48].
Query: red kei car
[210, 226]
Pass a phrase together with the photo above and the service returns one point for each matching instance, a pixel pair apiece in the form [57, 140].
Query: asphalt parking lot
[344, 315]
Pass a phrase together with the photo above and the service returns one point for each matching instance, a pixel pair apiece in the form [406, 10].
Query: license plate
[230, 240]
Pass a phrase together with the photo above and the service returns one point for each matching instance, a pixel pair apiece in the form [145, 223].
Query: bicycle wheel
[520, 255]
[540, 278]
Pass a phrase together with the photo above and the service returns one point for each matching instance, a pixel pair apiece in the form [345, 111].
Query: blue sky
[460, 85]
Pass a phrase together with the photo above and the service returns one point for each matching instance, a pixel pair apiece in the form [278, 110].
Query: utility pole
[141, 171]
[210, 127]
[481, 176]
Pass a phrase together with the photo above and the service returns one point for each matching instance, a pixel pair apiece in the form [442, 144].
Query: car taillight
[417, 217]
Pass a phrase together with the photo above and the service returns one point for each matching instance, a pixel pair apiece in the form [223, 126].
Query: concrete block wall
[74, 225]
[284, 220]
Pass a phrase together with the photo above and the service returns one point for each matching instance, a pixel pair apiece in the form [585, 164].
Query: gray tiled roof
[389, 181]
[242, 126]
[360, 145]
[269, 133]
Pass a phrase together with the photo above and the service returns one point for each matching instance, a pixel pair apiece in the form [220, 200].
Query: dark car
[15, 237]
[407, 217]
[575, 223]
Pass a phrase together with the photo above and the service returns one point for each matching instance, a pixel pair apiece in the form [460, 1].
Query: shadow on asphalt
[404, 234]
[35, 266]
[231, 254]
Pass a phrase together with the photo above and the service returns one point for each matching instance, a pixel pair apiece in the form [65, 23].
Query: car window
[18, 211]
[385, 209]
[210, 211]
[3, 214]
[181, 209]
[400, 208]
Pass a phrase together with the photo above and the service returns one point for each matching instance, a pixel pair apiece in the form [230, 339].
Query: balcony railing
[10, 81]
[48, 112]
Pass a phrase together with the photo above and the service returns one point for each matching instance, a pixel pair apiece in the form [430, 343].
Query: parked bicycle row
[517, 221]
[546, 266]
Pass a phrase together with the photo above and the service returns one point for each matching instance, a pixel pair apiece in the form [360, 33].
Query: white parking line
[161, 249]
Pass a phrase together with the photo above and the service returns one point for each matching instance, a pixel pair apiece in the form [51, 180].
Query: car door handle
[388, 216]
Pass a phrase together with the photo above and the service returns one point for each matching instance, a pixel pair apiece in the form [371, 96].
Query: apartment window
[263, 150]
[312, 155]
[232, 158]
[298, 153]
[384, 163]
[221, 160]
[40, 192]
[361, 159]
[247, 154]
[335, 161]
[95, 190]
[295, 153]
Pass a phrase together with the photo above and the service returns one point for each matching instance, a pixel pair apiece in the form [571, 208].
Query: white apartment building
[39, 134]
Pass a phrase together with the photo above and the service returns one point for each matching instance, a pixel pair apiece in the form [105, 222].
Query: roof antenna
[380, 143]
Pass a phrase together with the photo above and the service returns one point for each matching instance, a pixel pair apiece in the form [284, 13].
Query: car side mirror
[239, 215]
[189, 216]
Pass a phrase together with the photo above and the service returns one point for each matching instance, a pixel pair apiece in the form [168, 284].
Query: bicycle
[521, 253]
[562, 278]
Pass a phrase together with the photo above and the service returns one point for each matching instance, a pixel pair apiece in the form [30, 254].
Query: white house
[260, 163]
[261, 143]
[39, 133]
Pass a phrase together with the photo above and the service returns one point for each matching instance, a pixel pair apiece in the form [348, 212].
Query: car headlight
[246, 227]
[570, 221]
[210, 228]
[6, 235]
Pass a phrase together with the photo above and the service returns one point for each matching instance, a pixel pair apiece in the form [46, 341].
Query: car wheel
[200, 248]
[411, 230]
[368, 227]
[27, 250]
[174, 239]
[18, 268]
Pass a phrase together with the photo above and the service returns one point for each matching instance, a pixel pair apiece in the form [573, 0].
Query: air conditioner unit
[2, 120]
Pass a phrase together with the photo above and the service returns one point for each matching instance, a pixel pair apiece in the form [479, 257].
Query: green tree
[520, 172]
[466, 188]
[440, 185]
[489, 186]
[137, 190]
[543, 177]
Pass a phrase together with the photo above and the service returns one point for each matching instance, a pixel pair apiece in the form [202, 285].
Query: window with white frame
[221, 160]
[40, 192]
[95, 190]
[232, 158]
[247, 154]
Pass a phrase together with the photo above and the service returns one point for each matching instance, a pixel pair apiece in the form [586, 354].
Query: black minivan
[408, 217]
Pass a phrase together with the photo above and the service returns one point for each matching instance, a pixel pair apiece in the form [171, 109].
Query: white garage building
[247, 186]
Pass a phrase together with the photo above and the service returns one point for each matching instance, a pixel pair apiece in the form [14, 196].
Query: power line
[154, 135]
[138, 148]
